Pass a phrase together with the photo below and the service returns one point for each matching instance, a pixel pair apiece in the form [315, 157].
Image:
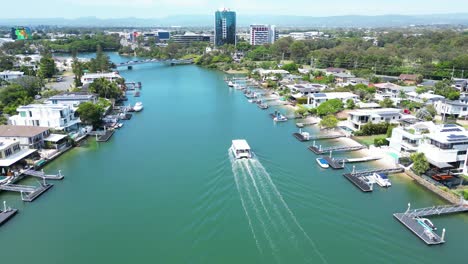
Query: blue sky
[162, 8]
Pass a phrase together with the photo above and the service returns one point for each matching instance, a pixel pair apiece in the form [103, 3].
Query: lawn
[368, 140]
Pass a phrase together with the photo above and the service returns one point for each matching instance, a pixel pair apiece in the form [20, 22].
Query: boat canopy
[240, 144]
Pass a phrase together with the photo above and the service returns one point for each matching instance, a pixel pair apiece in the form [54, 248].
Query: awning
[440, 165]
[12, 159]
[54, 138]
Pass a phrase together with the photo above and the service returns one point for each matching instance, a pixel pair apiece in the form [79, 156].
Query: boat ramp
[425, 233]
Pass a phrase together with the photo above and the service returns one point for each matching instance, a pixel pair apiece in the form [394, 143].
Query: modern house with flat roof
[358, 118]
[316, 99]
[10, 75]
[407, 139]
[446, 147]
[73, 99]
[28, 136]
[90, 77]
[424, 98]
[12, 154]
[56, 116]
[456, 108]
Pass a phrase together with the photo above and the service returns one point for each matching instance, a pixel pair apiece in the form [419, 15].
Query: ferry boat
[138, 107]
[322, 163]
[241, 149]
[382, 180]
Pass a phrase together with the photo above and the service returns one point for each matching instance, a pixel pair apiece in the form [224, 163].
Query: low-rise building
[28, 136]
[10, 75]
[332, 70]
[409, 79]
[264, 72]
[190, 37]
[12, 154]
[358, 118]
[73, 99]
[342, 77]
[456, 108]
[316, 99]
[88, 78]
[424, 98]
[56, 116]
[407, 139]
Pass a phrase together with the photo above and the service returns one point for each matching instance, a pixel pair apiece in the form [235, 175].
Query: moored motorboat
[138, 107]
[230, 84]
[322, 163]
[280, 118]
[382, 180]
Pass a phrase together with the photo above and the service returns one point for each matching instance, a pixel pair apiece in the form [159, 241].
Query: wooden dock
[300, 137]
[370, 172]
[6, 215]
[319, 150]
[335, 163]
[28, 193]
[430, 237]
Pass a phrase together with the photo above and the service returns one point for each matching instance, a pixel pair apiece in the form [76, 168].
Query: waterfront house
[12, 155]
[10, 75]
[56, 116]
[358, 118]
[424, 98]
[88, 78]
[409, 79]
[28, 136]
[306, 88]
[407, 139]
[445, 147]
[73, 99]
[315, 99]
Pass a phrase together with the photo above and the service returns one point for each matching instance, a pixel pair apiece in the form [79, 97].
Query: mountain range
[245, 20]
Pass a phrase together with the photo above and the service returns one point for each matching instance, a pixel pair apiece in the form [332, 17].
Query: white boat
[382, 180]
[427, 223]
[119, 125]
[280, 118]
[138, 107]
[322, 163]
[230, 84]
[241, 149]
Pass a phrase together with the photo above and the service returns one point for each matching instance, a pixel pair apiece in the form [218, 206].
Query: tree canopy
[330, 107]
[105, 88]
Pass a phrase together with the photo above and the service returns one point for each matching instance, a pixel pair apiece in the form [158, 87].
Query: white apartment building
[358, 118]
[262, 34]
[90, 77]
[316, 99]
[56, 116]
[10, 75]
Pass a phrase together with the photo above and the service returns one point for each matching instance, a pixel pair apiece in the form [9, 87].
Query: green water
[164, 190]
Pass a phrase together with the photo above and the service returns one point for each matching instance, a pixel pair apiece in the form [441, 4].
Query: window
[23, 114]
[461, 152]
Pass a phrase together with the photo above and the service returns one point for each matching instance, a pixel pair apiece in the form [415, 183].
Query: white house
[10, 75]
[424, 98]
[408, 139]
[56, 116]
[28, 136]
[73, 99]
[315, 99]
[11, 153]
[446, 147]
[90, 77]
[358, 118]
[457, 108]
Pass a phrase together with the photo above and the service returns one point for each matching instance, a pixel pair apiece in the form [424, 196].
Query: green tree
[420, 163]
[13, 96]
[299, 51]
[387, 103]
[380, 141]
[290, 67]
[330, 107]
[329, 121]
[32, 85]
[350, 104]
[78, 70]
[47, 67]
[105, 88]
[90, 113]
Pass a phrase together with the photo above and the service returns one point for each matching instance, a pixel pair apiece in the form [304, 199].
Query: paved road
[64, 85]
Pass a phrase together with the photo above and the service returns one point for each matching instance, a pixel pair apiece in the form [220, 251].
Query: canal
[165, 190]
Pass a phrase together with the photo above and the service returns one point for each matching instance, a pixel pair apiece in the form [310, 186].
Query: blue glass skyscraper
[225, 27]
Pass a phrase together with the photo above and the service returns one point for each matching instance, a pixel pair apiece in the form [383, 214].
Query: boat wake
[273, 225]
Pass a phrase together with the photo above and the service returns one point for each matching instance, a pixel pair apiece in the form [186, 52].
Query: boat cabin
[241, 149]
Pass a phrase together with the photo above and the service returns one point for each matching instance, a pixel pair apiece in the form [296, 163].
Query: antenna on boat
[331, 153]
[4, 206]
[443, 234]
[409, 206]
[354, 169]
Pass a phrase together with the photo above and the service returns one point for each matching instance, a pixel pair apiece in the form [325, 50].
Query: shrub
[380, 141]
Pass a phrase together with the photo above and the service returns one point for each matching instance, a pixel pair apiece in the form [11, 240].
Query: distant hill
[245, 20]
